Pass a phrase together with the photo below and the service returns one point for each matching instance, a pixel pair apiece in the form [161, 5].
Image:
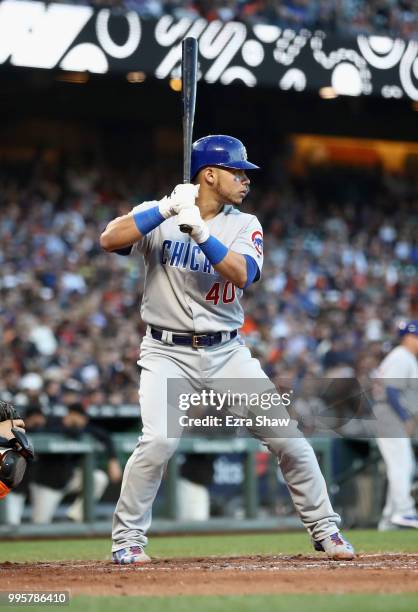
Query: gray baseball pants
[144, 470]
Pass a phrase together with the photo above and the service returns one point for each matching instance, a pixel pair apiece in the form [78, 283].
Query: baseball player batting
[397, 417]
[191, 305]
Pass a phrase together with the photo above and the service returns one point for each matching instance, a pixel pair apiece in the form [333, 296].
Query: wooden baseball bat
[188, 94]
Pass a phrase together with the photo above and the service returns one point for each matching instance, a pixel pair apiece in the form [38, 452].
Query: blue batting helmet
[408, 327]
[219, 150]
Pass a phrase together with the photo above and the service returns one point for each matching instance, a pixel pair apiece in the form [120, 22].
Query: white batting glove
[184, 196]
[166, 208]
[191, 216]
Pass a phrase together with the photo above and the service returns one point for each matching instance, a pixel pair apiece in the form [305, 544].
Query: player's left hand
[191, 216]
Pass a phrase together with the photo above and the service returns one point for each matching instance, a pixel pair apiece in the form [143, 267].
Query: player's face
[232, 185]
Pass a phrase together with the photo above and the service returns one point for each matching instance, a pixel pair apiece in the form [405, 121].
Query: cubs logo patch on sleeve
[257, 240]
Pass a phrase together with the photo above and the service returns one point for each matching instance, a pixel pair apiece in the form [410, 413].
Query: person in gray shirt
[397, 418]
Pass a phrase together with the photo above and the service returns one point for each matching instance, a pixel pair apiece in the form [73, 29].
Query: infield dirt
[259, 574]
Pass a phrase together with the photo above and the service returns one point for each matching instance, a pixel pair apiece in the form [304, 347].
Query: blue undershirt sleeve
[126, 251]
[253, 271]
[392, 395]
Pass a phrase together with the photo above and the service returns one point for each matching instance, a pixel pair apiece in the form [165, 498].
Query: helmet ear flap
[12, 468]
[14, 457]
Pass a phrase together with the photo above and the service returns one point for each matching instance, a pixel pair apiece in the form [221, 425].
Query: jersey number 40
[214, 293]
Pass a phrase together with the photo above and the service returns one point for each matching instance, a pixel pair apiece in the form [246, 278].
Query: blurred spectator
[59, 475]
[337, 276]
[340, 270]
[196, 475]
[14, 503]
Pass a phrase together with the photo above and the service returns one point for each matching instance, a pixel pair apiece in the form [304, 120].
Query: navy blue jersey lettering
[207, 267]
[166, 244]
[177, 253]
[193, 264]
[186, 255]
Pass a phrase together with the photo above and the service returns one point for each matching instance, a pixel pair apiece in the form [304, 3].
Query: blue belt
[196, 340]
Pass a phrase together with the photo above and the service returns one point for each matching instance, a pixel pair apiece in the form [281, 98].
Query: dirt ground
[369, 573]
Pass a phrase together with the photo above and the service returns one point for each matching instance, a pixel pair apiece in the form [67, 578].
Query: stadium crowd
[391, 17]
[341, 268]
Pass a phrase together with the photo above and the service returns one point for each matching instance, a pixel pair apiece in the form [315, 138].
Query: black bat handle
[188, 90]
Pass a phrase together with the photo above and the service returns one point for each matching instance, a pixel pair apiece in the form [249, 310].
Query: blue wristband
[214, 250]
[148, 220]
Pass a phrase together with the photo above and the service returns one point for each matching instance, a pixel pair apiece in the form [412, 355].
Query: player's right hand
[166, 208]
[184, 196]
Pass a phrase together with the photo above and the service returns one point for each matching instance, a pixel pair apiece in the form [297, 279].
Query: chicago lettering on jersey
[185, 255]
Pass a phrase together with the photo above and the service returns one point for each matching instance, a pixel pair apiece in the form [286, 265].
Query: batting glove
[191, 216]
[166, 208]
[184, 196]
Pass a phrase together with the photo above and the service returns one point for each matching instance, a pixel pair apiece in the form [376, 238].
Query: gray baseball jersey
[184, 293]
[399, 369]
[182, 290]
